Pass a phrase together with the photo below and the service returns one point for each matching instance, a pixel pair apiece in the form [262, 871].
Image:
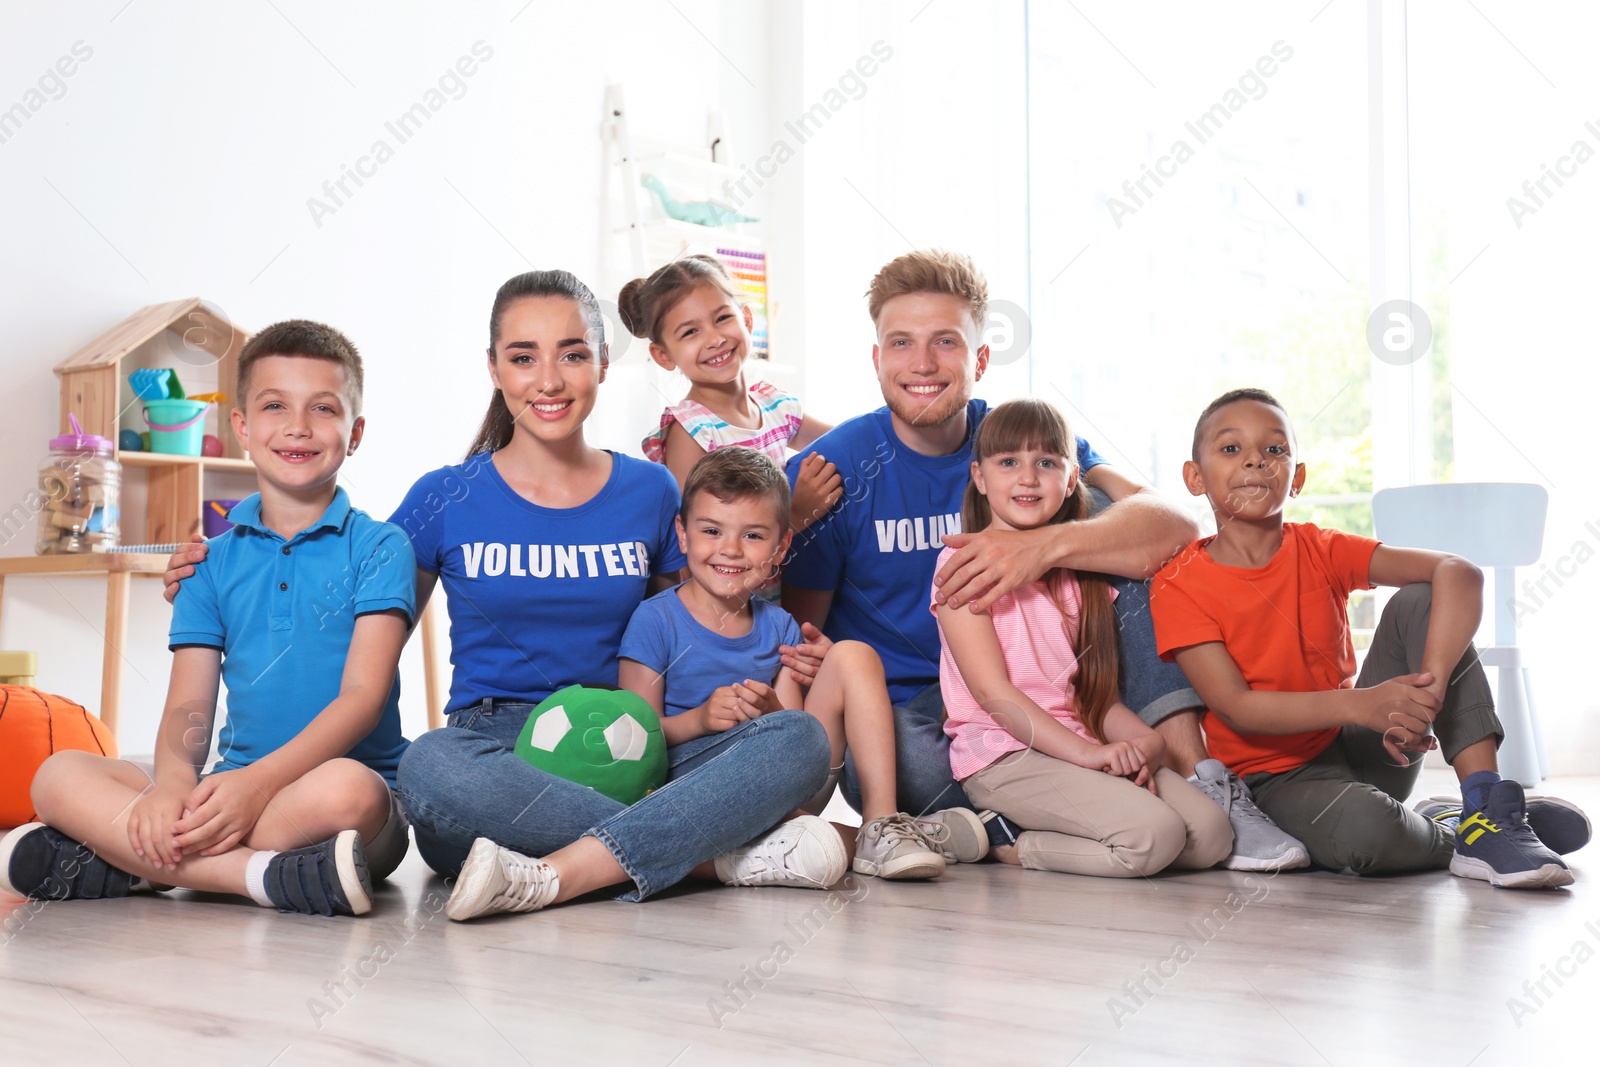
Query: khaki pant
[1083, 821]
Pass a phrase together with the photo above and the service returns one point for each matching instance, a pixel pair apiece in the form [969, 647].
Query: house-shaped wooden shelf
[203, 346]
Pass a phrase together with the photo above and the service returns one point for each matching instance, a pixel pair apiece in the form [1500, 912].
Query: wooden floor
[991, 965]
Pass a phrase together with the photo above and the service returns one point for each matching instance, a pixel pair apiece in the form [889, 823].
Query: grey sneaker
[958, 833]
[1258, 844]
[896, 847]
[804, 851]
[495, 880]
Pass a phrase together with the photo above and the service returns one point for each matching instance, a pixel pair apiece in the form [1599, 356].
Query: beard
[935, 411]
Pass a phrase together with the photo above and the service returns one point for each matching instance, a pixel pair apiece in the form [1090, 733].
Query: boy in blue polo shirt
[301, 612]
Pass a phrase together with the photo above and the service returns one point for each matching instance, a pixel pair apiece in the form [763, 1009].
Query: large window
[1505, 190]
[1189, 198]
[1200, 222]
[1226, 200]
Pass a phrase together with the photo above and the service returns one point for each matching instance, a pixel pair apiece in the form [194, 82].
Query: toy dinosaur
[699, 212]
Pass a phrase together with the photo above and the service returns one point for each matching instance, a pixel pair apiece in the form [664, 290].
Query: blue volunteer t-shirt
[877, 549]
[539, 596]
[283, 613]
[663, 636]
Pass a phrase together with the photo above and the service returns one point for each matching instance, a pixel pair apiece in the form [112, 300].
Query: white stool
[1500, 526]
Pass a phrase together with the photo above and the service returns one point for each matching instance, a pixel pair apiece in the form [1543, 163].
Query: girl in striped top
[695, 324]
[1037, 729]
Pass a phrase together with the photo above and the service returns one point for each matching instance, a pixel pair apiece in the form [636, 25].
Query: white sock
[255, 878]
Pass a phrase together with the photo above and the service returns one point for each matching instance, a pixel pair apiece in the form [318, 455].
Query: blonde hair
[930, 270]
[1016, 426]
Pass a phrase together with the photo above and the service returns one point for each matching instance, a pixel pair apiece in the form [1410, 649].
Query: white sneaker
[1258, 843]
[958, 833]
[495, 880]
[805, 851]
[897, 847]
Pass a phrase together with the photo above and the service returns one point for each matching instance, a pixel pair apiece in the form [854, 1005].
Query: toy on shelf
[177, 422]
[699, 212]
[199, 341]
[130, 441]
[214, 519]
[18, 668]
[81, 483]
[156, 383]
[749, 272]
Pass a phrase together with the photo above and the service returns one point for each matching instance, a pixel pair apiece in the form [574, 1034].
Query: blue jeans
[1151, 687]
[465, 781]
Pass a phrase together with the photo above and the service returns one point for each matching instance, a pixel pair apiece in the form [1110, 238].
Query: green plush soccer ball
[607, 739]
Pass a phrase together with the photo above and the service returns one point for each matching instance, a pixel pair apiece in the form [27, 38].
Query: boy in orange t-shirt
[1256, 618]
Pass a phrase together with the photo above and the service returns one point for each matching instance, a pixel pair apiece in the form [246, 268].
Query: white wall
[179, 161]
[180, 158]
[930, 153]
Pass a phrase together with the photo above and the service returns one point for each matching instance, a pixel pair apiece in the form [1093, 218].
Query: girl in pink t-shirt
[1037, 730]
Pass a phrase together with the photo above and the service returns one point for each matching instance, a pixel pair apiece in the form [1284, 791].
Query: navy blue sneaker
[326, 879]
[41, 862]
[1497, 845]
[1560, 824]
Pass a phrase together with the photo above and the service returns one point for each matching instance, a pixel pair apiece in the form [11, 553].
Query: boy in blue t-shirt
[301, 611]
[705, 655]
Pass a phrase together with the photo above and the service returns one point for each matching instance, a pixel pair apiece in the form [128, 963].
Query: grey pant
[1346, 805]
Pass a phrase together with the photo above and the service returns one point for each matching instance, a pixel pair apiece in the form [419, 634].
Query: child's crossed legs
[89, 797]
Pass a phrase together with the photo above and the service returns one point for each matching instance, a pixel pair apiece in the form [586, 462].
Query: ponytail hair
[498, 424]
[1015, 426]
[644, 302]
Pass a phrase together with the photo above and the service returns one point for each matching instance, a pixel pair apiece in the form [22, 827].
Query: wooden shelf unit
[118, 569]
[91, 389]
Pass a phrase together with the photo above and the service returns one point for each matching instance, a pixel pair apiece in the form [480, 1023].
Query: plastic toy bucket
[177, 427]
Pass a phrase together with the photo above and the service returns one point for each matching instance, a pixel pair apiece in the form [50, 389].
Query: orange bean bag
[33, 725]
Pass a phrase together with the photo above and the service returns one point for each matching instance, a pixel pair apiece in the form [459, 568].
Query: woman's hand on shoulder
[181, 565]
